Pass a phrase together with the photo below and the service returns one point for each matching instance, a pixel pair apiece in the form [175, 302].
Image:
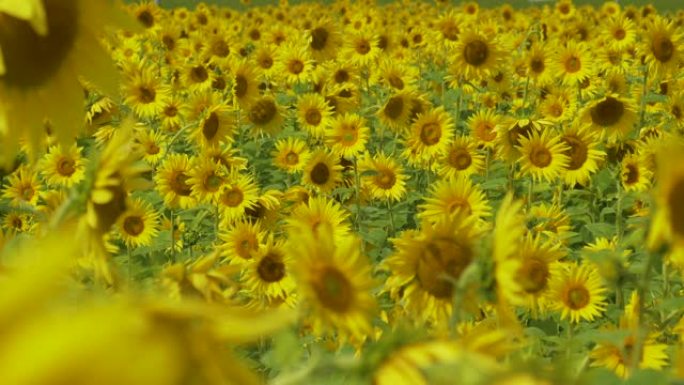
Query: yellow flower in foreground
[578, 293]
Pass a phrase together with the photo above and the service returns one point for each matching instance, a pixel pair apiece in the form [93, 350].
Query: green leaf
[601, 229]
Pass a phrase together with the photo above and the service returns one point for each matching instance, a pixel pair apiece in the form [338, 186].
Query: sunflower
[662, 47]
[62, 167]
[291, 154]
[172, 115]
[15, 222]
[347, 135]
[583, 153]
[635, 174]
[511, 131]
[265, 115]
[145, 92]
[319, 211]
[153, 143]
[246, 80]
[474, 55]
[447, 196]
[325, 40]
[361, 48]
[543, 156]
[340, 73]
[46, 45]
[23, 187]
[557, 108]
[322, 171]
[619, 33]
[196, 77]
[237, 194]
[550, 221]
[396, 112]
[314, 114]
[172, 181]
[139, 224]
[538, 63]
[294, 64]
[267, 276]
[525, 276]
[206, 179]
[334, 281]
[613, 116]
[426, 265]
[215, 128]
[395, 75]
[388, 181]
[578, 293]
[461, 159]
[573, 63]
[241, 240]
[482, 126]
[619, 358]
[265, 58]
[431, 133]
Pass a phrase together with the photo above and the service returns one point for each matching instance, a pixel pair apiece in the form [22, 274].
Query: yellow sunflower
[172, 181]
[474, 55]
[294, 64]
[431, 133]
[196, 77]
[635, 174]
[662, 47]
[455, 194]
[265, 116]
[613, 116]
[215, 128]
[578, 293]
[290, 154]
[319, 211]
[238, 193]
[619, 32]
[361, 47]
[322, 171]
[240, 241]
[139, 224]
[62, 167]
[583, 153]
[206, 179]
[22, 187]
[388, 181]
[482, 126]
[154, 144]
[347, 135]
[334, 281]
[427, 265]
[145, 92]
[314, 114]
[267, 276]
[573, 63]
[543, 156]
[246, 80]
[461, 159]
[396, 112]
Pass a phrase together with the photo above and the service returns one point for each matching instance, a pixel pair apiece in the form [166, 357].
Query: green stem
[391, 217]
[530, 193]
[618, 208]
[173, 237]
[357, 190]
[642, 289]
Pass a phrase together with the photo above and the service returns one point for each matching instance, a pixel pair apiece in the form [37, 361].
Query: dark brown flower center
[577, 297]
[607, 112]
[240, 86]
[533, 275]
[476, 53]
[385, 179]
[319, 38]
[540, 156]
[631, 174]
[262, 112]
[577, 151]
[430, 133]
[394, 107]
[66, 167]
[313, 117]
[210, 126]
[320, 174]
[460, 158]
[232, 197]
[441, 262]
[133, 225]
[572, 64]
[663, 49]
[179, 184]
[271, 268]
[333, 289]
[675, 203]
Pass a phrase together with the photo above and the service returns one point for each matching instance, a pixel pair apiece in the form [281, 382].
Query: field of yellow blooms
[342, 193]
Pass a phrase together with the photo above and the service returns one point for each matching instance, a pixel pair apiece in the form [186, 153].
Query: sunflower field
[342, 193]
